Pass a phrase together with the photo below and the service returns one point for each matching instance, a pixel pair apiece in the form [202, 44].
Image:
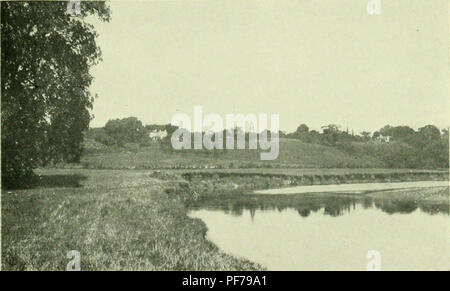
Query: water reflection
[328, 231]
[330, 204]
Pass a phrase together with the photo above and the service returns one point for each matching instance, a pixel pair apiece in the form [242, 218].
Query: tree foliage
[427, 147]
[126, 130]
[46, 55]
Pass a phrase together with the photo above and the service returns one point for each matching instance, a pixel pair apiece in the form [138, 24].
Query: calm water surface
[329, 231]
[355, 188]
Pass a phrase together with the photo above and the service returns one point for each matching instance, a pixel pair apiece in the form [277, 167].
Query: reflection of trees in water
[394, 206]
[304, 212]
[237, 211]
[333, 205]
[366, 203]
[434, 208]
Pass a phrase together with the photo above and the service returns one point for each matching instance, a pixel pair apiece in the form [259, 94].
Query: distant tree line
[119, 132]
[395, 146]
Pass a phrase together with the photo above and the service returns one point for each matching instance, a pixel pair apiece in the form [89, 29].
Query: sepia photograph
[225, 135]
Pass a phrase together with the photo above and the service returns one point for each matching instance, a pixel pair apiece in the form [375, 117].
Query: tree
[430, 132]
[100, 135]
[376, 134]
[445, 133]
[303, 128]
[434, 146]
[365, 135]
[46, 55]
[301, 133]
[398, 132]
[331, 133]
[126, 130]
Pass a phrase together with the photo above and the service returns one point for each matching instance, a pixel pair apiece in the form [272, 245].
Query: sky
[316, 62]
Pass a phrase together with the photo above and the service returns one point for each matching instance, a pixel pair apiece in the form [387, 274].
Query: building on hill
[157, 135]
[384, 138]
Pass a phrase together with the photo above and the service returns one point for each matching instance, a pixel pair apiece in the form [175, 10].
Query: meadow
[127, 209]
[117, 220]
[293, 154]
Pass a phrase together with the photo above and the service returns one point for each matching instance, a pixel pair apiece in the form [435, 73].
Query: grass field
[293, 154]
[117, 220]
[120, 216]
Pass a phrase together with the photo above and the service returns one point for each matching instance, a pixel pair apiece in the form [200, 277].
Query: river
[328, 231]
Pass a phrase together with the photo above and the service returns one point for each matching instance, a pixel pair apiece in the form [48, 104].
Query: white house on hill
[384, 138]
[157, 134]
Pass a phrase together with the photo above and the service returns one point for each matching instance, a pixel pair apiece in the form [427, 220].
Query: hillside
[293, 153]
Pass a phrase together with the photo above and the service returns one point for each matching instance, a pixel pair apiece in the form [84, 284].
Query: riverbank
[137, 219]
[432, 195]
[355, 188]
[224, 190]
[117, 220]
[214, 183]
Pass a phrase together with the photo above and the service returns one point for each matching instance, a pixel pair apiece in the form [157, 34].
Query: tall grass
[117, 220]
